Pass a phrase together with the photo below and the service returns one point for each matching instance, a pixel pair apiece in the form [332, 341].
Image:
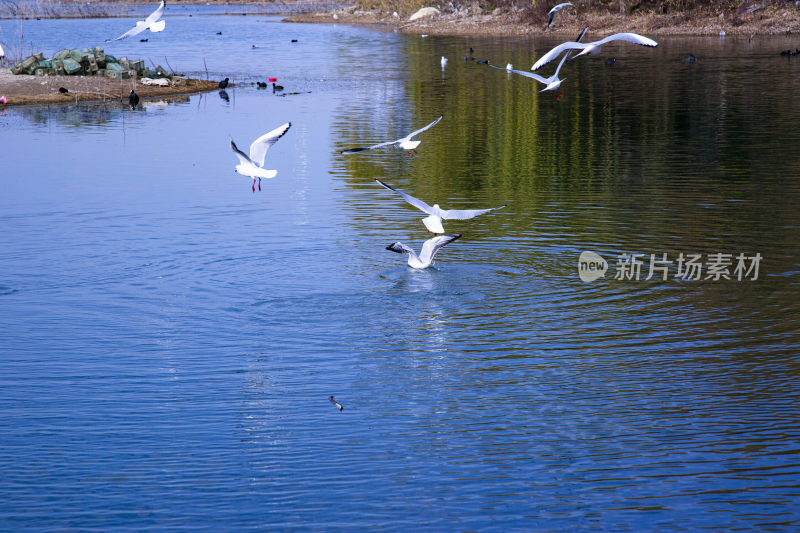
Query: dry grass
[515, 17]
[35, 9]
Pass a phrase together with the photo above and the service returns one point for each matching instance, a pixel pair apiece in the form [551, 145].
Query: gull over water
[436, 214]
[151, 23]
[405, 143]
[253, 164]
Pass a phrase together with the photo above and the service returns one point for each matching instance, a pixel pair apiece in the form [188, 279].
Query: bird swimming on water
[133, 99]
[334, 402]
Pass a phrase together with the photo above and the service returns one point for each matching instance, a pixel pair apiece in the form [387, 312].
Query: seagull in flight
[556, 9]
[552, 83]
[150, 23]
[253, 164]
[429, 249]
[436, 214]
[405, 143]
[593, 47]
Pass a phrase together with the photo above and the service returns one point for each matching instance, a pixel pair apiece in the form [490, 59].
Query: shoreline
[766, 20]
[24, 89]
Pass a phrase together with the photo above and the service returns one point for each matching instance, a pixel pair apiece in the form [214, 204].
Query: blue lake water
[171, 338]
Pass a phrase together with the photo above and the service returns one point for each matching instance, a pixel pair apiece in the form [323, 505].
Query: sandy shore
[23, 89]
[768, 20]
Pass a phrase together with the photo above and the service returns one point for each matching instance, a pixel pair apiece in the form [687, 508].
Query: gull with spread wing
[593, 47]
[151, 22]
[406, 143]
[253, 164]
[552, 83]
[434, 221]
[556, 9]
[429, 249]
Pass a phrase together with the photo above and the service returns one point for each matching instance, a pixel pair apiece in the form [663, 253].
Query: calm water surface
[170, 338]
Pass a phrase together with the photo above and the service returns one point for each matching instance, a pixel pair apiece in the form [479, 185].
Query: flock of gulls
[252, 164]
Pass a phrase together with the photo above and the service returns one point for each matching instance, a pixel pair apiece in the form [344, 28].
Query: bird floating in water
[261, 84]
[2, 52]
[429, 249]
[276, 88]
[436, 214]
[444, 62]
[690, 58]
[150, 23]
[253, 164]
[133, 99]
[334, 402]
[143, 40]
[556, 9]
[223, 84]
[405, 143]
[592, 48]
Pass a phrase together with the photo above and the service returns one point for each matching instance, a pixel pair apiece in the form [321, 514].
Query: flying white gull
[434, 221]
[550, 83]
[593, 47]
[556, 9]
[252, 166]
[429, 249]
[150, 23]
[405, 143]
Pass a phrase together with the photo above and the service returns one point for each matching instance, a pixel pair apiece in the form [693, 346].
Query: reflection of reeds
[11, 9]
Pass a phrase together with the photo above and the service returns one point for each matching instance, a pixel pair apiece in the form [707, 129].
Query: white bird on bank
[436, 214]
[150, 23]
[252, 166]
[429, 249]
[593, 47]
[405, 143]
[556, 9]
